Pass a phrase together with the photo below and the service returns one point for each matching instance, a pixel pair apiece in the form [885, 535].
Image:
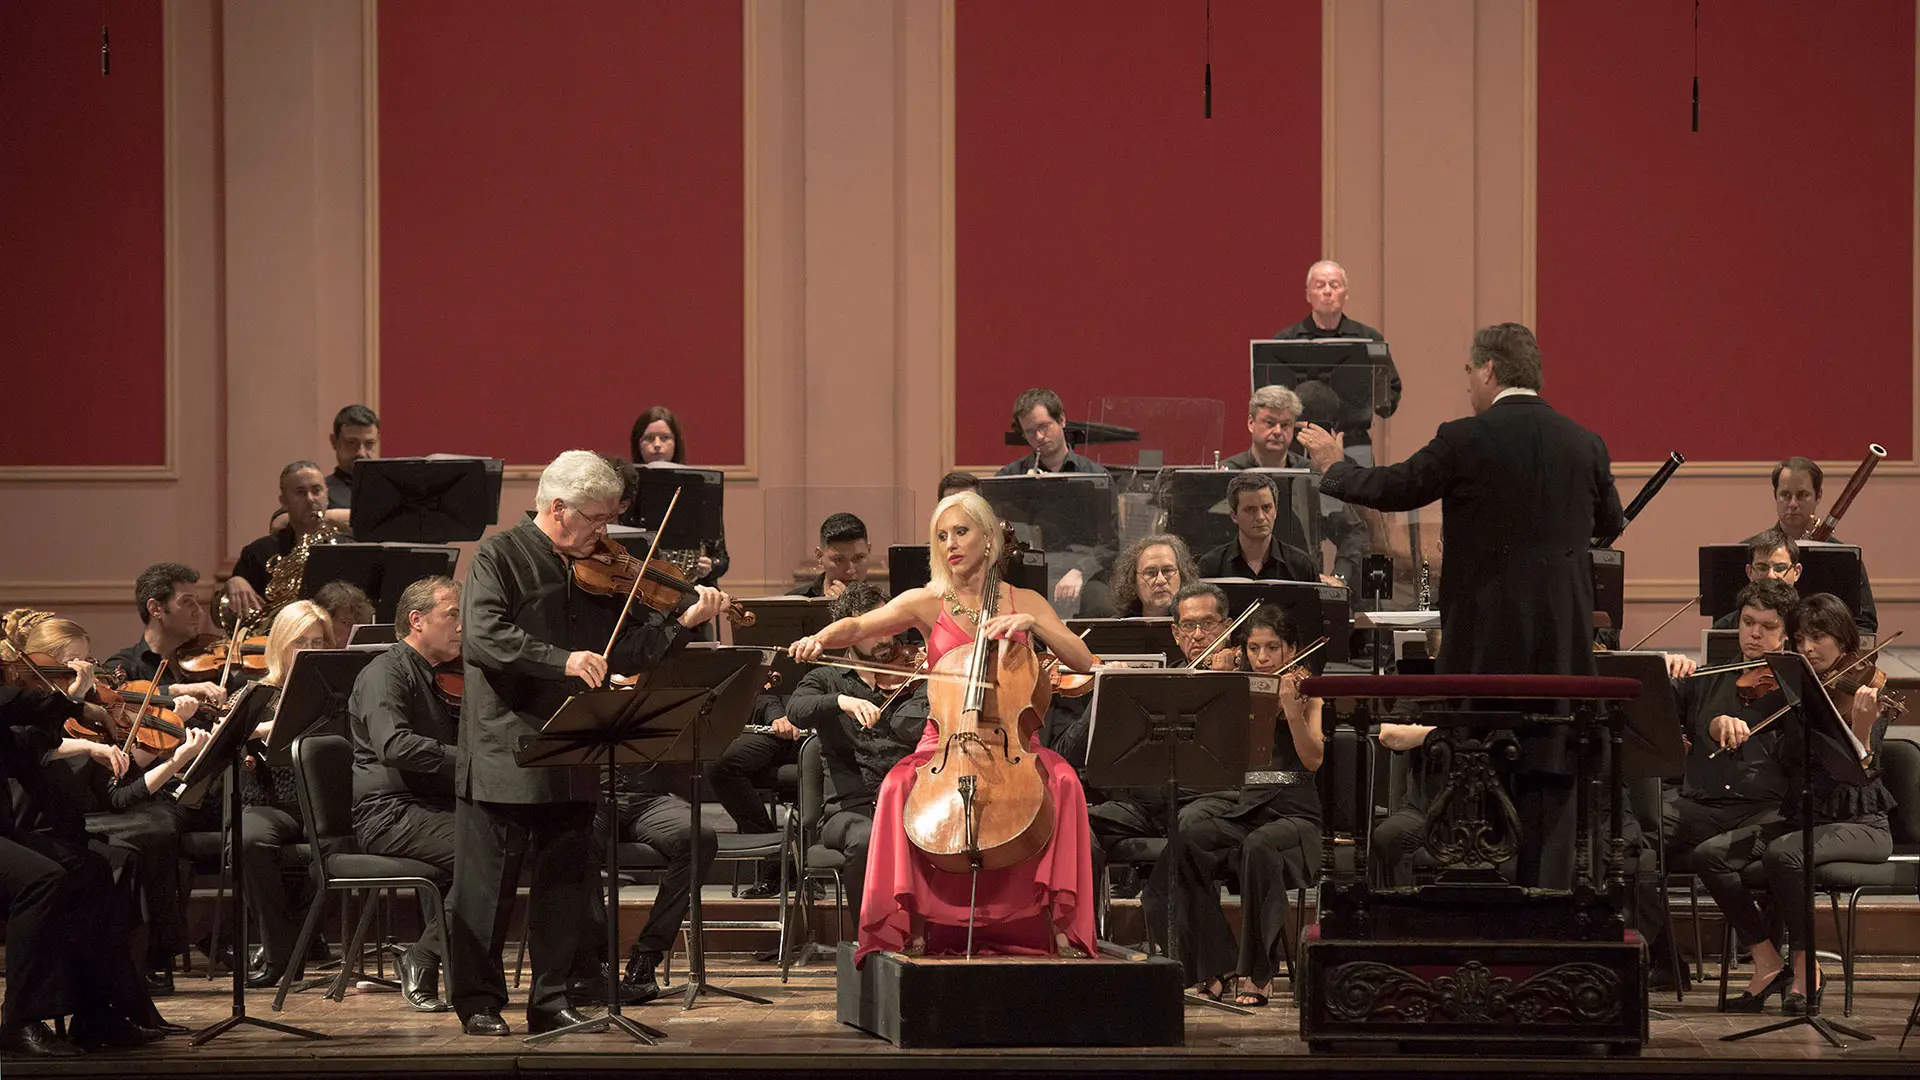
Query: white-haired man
[531, 639]
[1327, 297]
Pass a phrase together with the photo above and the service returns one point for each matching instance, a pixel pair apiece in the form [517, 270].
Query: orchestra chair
[816, 861]
[322, 772]
[1900, 875]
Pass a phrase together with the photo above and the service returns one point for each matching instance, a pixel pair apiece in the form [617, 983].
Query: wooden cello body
[981, 802]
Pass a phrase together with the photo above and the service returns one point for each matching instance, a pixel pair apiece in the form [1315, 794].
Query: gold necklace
[959, 609]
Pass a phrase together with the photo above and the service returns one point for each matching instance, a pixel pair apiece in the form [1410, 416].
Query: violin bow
[1664, 623]
[1225, 635]
[1826, 681]
[133, 729]
[641, 573]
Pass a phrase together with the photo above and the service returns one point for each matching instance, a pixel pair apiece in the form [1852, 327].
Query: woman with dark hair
[1849, 820]
[656, 440]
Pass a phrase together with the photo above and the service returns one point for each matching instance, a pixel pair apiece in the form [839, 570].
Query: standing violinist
[404, 733]
[1849, 819]
[533, 637]
[172, 616]
[1043, 904]
[1797, 492]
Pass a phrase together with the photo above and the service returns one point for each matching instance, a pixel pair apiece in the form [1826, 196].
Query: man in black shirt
[173, 616]
[1255, 552]
[1042, 420]
[355, 438]
[303, 495]
[1797, 490]
[1327, 296]
[858, 742]
[1741, 788]
[1770, 557]
[1273, 414]
[844, 554]
[404, 735]
[532, 638]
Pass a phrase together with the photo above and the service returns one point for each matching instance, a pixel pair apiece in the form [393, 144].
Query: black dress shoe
[420, 983]
[165, 1029]
[640, 986]
[109, 1031]
[159, 983]
[485, 1023]
[262, 978]
[594, 991]
[567, 1017]
[35, 1039]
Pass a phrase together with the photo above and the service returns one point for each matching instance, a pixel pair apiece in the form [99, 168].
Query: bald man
[1327, 297]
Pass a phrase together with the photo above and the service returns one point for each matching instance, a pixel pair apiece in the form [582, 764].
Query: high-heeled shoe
[1750, 1002]
[1795, 1004]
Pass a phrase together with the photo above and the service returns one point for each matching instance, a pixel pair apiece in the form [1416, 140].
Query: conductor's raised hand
[1322, 446]
[707, 603]
[588, 667]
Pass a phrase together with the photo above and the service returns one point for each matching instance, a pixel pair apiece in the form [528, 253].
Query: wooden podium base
[989, 1001]
[1492, 996]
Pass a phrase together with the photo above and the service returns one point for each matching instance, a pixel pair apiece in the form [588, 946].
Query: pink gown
[1011, 916]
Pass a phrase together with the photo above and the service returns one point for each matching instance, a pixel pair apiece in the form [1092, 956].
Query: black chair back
[813, 786]
[1900, 771]
[323, 781]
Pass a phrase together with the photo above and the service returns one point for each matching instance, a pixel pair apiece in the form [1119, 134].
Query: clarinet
[1426, 585]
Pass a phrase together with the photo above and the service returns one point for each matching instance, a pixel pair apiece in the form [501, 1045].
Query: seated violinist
[1797, 490]
[173, 617]
[1041, 904]
[1270, 827]
[303, 495]
[118, 793]
[1256, 552]
[1849, 819]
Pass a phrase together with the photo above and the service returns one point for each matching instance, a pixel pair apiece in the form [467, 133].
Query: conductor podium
[1475, 959]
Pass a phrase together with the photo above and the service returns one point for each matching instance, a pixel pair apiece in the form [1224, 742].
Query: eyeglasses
[1197, 627]
[1153, 572]
[1780, 568]
[595, 520]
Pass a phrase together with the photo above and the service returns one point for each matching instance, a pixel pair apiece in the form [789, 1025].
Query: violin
[981, 802]
[449, 683]
[158, 730]
[208, 654]
[611, 571]
[1756, 683]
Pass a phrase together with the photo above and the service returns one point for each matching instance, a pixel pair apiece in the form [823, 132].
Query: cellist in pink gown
[1040, 906]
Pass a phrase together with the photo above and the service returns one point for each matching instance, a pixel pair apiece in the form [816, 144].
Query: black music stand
[377, 633]
[1148, 729]
[1128, 637]
[1824, 568]
[736, 676]
[315, 697]
[225, 753]
[1356, 369]
[778, 622]
[696, 520]
[611, 727]
[425, 500]
[382, 571]
[1822, 732]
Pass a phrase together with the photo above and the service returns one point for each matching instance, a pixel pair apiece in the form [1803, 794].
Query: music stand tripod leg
[635, 1030]
[237, 914]
[696, 947]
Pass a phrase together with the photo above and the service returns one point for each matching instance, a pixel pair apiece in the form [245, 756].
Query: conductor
[1521, 488]
[532, 638]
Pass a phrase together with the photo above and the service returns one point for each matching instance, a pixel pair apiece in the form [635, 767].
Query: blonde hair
[289, 626]
[979, 514]
[32, 631]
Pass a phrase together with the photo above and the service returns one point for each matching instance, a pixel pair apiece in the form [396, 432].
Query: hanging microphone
[1696, 104]
[106, 52]
[1208, 108]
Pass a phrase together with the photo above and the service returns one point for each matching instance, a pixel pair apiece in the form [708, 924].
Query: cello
[981, 801]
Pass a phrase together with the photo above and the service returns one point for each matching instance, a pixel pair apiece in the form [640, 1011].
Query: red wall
[1746, 292]
[83, 316]
[560, 225]
[1111, 241]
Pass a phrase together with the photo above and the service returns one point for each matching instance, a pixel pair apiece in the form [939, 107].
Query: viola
[981, 801]
[612, 569]
[1756, 683]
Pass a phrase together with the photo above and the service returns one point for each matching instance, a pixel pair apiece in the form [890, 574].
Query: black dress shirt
[136, 661]
[1245, 460]
[1357, 429]
[1284, 563]
[521, 616]
[1753, 773]
[252, 564]
[1031, 463]
[339, 489]
[815, 707]
[403, 734]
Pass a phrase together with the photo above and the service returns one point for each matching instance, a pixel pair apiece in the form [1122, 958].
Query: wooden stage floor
[371, 1032]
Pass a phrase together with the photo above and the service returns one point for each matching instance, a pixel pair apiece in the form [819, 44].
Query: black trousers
[848, 831]
[1182, 898]
[150, 831]
[1778, 846]
[748, 763]
[665, 823]
[1688, 823]
[1548, 818]
[75, 944]
[1281, 855]
[1391, 848]
[411, 828]
[264, 830]
[32, 888]
[490, 842]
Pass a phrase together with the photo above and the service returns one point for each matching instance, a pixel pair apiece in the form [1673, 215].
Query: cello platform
[988, 1001]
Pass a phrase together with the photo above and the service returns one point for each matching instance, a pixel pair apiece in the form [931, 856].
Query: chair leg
[520, 963]
[1693, 916]
[308, 927]
[1726, 958]
[1847, 952]
[350, 958]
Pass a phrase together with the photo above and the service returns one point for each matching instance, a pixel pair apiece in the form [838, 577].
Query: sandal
[1064, 947]
[1212, 989]
[1250, 999]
